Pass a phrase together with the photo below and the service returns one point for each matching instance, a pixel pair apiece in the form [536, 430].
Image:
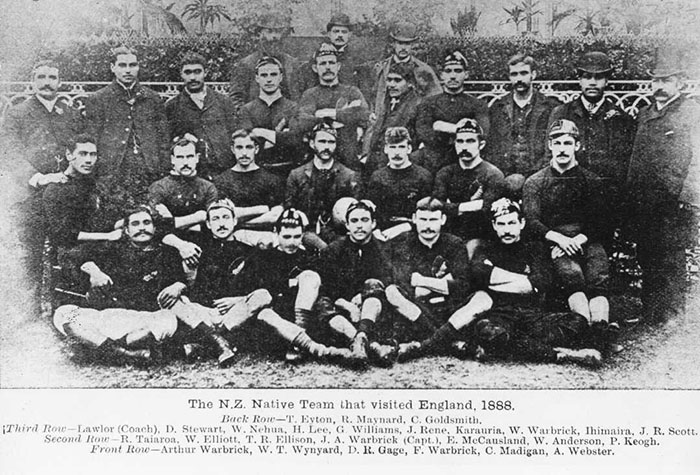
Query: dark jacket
[527, 153]
[68, 208]
[116, 117]
[349, 60]
[606, 139]
[664, 164]
[302, 195]
[213, 124]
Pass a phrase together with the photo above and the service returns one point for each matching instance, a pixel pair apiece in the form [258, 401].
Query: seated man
[565, 208]
[399, 185]
[430, 274]
[184, 194]
[469, 186]
[353, 270]
[316, 186]
[513, 277]
[287, 273]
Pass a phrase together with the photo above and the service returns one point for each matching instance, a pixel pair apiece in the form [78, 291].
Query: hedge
[85, 60]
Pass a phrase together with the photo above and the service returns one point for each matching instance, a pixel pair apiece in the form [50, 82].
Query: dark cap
[455, 57]
[563, 127]
[325, 49]
[503, 207]
[668, 64]
[405, 70]
[273, 21]
[595, 62]
[339, 19]
[404, 33]
[323, 127]
[394, 135]
[265, 60]
[469, 125]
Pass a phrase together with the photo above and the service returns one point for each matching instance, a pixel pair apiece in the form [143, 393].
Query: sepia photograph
[404, 194]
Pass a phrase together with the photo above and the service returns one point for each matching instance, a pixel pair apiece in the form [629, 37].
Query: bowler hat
[595, 62]
[666, 65]
[339, 19]
[404, 32]
[273, 21]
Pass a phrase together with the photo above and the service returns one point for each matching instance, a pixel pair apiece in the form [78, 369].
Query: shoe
[193, 352]
[293, 355]
[227, 357]
[409, 351]
[359, 346]
[382, 355]
[463, 350]
[584, 357]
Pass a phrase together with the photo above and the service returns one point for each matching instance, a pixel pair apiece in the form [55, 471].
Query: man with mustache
[469, 186]
[273, 118]
[342, 104]
[201, 111]
[438, 115]
[607, 131]
[314, 187]
[519, 124]
[183, 192]
[399, 185]
[36, 135]
[663, 189]
[272, 27]
[566, 209]
[430, 275]
[400, 109]
[129, 122]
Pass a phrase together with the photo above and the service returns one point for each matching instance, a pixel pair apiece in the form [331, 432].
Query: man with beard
[430, 274]
[663, 189]
[130, 124]
[565, 208]
[36, 135]
[354, 270]
[399, 111]
[342, 104]
[469, 186]
[339, 33]
[185, 194]
[519, 124]
[607, 132]
[438, 115]
[373, 76]
[272, 28]
[273, 117]
[399, 185]
[208, 115]
[314, 187]
[513, 277]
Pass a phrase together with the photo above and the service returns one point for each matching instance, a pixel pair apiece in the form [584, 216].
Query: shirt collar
[269, 99]
[523, 103]
[48, 104]
[319, 165]
[591, 107]
[661, 107]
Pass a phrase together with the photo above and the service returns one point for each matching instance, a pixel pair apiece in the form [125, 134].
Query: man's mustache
[143, 233]
[465, 154]
[222, 228]
[563, 155]
[660, 93]
[519, 83]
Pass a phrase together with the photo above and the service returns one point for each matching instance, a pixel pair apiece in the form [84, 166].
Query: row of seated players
[423, 288]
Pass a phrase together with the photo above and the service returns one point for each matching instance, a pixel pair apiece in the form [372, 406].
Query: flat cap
[563, 127]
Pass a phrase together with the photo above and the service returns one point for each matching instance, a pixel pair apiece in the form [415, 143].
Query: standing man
[342, 104]
[374, 77]
[400, 109]
[469, 186]
[565, 208]
[663, 189]
[272, 28]
[201, 111]
[130, 124]
[273, 117]
[438, 115]
[339, 33]
[607, 131]
[399, 185]
[314, 187]
[519, 122]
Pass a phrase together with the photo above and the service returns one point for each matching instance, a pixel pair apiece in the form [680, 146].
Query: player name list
[461, 427]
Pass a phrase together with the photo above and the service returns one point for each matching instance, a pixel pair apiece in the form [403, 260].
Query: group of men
[352, 211]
